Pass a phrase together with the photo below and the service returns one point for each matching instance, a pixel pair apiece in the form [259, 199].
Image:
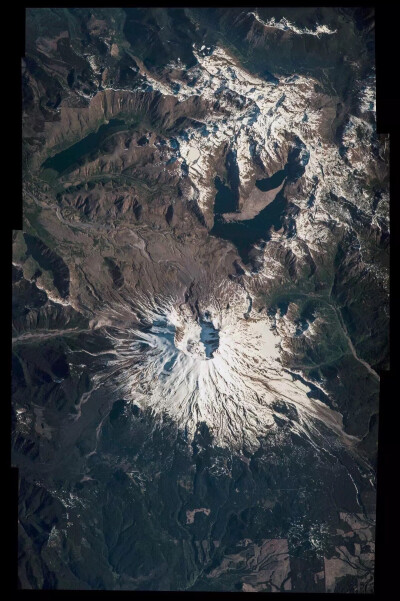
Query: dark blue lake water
[244, 234]
[269, 183]
[225, 199]
[71, 156]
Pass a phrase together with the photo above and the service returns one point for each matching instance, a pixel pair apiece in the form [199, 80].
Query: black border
[388, 122]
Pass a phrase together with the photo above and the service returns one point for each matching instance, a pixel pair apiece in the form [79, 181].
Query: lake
[71, 156]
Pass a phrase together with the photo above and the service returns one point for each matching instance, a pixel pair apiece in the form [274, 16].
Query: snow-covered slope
[164, 366]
